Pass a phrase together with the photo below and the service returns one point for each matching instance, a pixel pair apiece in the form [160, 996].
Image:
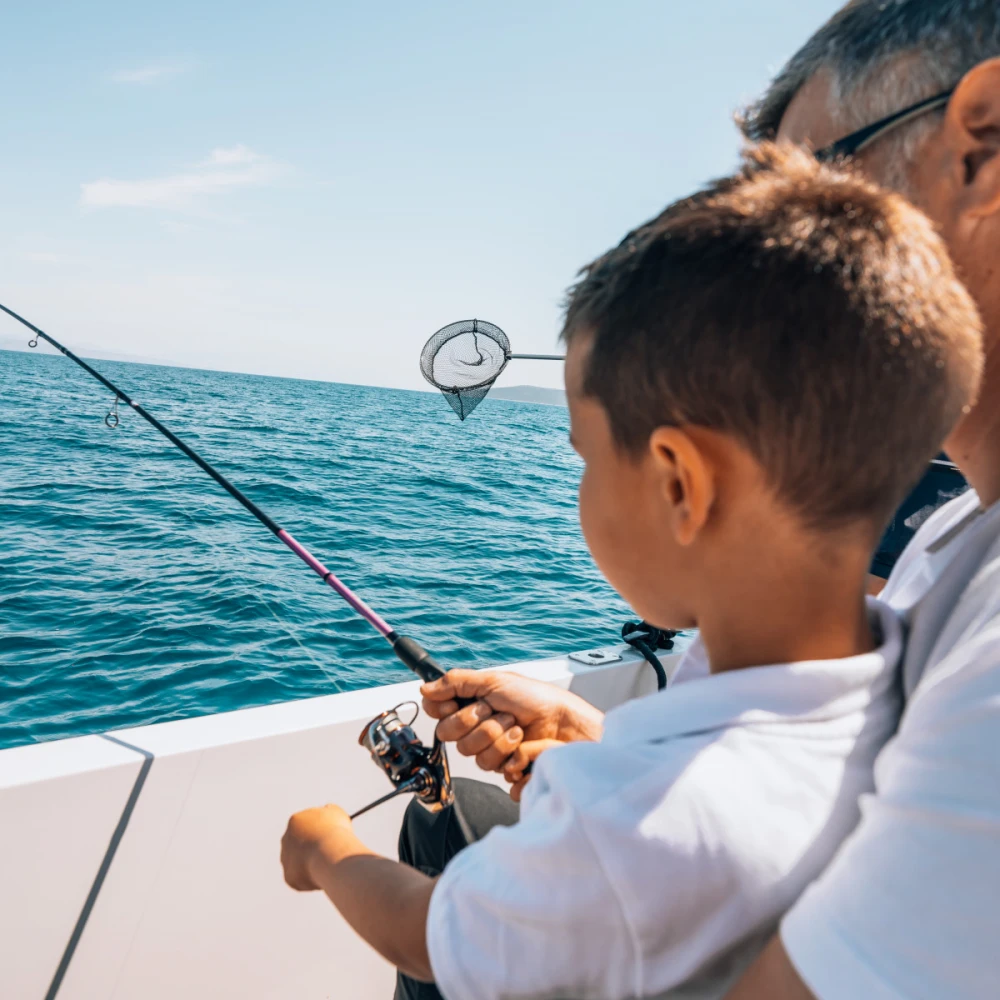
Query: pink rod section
[345, 592]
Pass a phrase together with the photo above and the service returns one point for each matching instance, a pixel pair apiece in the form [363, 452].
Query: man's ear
[687, 481]
[973, 121]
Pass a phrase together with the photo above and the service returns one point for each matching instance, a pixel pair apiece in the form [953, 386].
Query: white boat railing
[143, 864]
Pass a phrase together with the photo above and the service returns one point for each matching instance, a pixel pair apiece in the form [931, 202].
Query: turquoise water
[133, 590]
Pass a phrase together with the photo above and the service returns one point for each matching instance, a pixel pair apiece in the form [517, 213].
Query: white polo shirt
[669, 850]
[910, 906]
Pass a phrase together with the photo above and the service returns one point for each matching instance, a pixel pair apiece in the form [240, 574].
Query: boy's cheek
[632, 555]
[593, 522]
[612, 533]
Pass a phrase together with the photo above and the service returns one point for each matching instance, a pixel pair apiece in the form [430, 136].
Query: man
[910, 907]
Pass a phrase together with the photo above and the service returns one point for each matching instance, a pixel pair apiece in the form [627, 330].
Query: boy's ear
[973, 119]
[687, 481]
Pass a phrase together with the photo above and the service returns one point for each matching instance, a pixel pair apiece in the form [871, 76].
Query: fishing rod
[409, 651]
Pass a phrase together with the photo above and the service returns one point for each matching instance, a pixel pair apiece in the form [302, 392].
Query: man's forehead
[808, 119]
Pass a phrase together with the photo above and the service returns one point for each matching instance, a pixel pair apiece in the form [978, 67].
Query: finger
[462, 722]
[518, 788]
[439, 709]
[294, 879]
[439, 690]
[485, 734]
[516, 764]
[498, 753]
[524, 754]
[458, 684]
[289, 868]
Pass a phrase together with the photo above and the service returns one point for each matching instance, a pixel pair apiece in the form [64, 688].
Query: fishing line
[409, 651]
[289, 631]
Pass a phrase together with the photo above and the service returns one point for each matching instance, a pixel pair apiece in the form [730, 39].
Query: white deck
[193, 904]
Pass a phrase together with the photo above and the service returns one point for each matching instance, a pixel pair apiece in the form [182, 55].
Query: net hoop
[463, 360]
[464, 328]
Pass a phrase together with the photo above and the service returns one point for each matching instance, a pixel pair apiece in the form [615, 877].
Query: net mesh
[463, 360]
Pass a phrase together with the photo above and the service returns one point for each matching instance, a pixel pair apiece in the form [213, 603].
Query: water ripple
[133, 590]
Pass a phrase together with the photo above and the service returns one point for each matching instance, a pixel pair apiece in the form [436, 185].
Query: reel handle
[413, 785]
[421, 662]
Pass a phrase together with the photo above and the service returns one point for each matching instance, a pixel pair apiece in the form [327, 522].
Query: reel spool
[407, 762]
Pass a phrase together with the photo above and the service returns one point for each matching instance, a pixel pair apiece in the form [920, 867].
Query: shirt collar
[811, 690]
[974, 510]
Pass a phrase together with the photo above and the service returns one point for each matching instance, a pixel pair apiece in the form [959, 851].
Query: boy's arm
[526, 910]
[384, 901]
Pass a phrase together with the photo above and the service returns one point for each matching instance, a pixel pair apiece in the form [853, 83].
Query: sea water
[134, 590]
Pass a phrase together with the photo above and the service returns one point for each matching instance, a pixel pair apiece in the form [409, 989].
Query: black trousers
[428, 841]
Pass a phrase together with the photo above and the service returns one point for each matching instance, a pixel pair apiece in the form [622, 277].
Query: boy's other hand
[509, 709]
[307, 833]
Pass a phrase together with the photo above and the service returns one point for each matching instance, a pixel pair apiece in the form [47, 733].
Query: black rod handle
[421, 662]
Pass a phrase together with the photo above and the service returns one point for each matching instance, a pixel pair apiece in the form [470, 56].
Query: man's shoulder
[936, 589]
[980, 602]
[970, 636]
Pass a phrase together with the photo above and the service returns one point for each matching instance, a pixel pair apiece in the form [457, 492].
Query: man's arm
[384, 901]
[771, 977]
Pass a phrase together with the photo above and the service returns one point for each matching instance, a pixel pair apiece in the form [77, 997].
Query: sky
[312, 189]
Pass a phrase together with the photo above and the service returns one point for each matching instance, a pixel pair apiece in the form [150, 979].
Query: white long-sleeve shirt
[667, 852]
[910, 907]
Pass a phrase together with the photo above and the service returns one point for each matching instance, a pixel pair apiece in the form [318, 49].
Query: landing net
[463, 360]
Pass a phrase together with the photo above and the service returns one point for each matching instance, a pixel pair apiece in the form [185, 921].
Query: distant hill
[530, 394]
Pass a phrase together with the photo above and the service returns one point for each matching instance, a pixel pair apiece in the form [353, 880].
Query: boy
[755, 379]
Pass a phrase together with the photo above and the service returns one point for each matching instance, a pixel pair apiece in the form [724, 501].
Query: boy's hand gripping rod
[408, 650]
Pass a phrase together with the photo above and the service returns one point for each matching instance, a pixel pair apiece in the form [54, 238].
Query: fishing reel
[407, 762]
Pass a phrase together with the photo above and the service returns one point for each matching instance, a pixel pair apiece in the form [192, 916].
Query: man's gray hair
[883, 55]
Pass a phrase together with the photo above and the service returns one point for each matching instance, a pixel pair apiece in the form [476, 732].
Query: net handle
[536, 357]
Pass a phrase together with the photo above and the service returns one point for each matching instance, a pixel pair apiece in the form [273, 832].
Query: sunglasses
[852, 144]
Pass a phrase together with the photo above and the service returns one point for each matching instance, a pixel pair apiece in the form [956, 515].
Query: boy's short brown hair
[801, 309]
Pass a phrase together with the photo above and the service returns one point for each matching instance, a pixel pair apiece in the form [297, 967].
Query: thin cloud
[40, 258]
[224, 170]
[231, 155]
[145, 75]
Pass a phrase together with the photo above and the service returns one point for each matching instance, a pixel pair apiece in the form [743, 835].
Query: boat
[142, 864]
